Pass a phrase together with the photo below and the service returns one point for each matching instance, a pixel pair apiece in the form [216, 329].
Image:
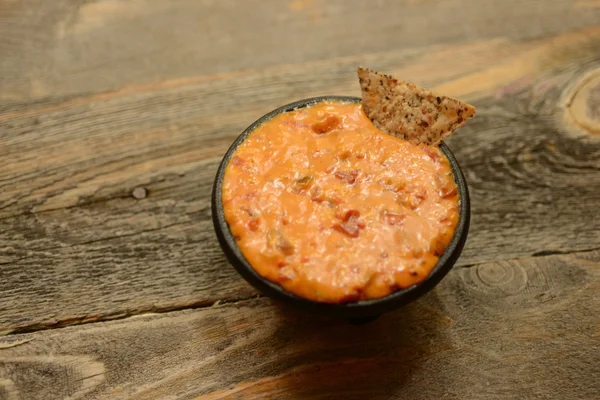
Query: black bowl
[360, 310]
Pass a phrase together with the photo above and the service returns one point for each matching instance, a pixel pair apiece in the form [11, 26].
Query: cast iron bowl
[356, 311]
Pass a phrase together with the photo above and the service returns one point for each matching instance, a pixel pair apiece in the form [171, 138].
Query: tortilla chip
[410, 112]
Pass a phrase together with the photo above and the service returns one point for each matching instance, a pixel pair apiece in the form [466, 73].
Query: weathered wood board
[114, 116]
[521, 329]
[76, 244]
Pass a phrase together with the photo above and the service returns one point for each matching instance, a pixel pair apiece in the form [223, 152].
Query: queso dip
[333, 210]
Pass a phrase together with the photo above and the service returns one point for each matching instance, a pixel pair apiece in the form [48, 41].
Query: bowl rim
[358, 309]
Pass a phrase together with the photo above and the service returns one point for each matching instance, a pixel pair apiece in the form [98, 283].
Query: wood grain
[65, 47]
[518, 329]
[114, 116]
[77, 245]
[582, 105]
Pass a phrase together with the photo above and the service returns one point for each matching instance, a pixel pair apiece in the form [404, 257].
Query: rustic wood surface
[501, 330]
[114, 116]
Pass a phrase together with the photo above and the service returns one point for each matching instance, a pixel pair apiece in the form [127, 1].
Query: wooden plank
[75, 244]
[63, 47]
[516, 329]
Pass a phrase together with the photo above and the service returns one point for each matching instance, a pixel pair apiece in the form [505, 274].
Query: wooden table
[114, 116]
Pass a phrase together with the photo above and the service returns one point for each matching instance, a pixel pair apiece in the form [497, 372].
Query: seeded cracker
[410, 112]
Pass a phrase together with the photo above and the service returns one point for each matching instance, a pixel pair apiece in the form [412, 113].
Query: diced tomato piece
[347, 176]
[316, 194]
[350, 214]
[236, 160]
[327, 124]
[254, 224]
[449, 191]
[350, 230]
[435, 156]
[350, 225]
[280, 242]
[304, 182]
[344, 155]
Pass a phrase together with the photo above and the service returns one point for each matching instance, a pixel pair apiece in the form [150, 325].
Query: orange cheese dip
[333, 210]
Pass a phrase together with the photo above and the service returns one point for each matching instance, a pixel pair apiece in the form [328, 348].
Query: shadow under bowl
[360, 311]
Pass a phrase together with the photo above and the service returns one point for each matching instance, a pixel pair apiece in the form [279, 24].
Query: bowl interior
[359, 309]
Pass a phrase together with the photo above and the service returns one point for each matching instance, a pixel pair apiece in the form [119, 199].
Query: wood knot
[140, 193]
[500, 277]
[520, 284]
[583, 105]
